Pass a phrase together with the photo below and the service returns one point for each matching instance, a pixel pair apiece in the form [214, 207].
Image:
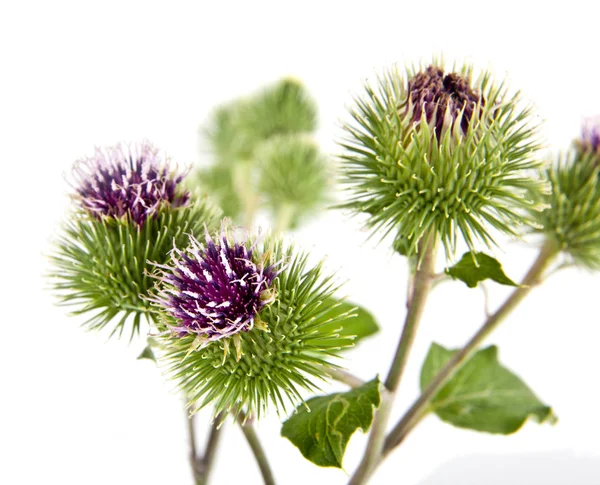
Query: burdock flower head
[129, 208]
[572, 217]
[215, 291]
[590, 136]
[443, 99]
[127, 181]
[259, 297]
[439, 153]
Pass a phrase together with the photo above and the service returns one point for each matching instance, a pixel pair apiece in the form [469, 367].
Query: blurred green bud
[293, 178]
[282, 108]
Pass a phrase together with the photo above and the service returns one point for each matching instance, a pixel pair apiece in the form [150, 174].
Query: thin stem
[534, 276]
[421, 284]
[259, 453]
[195, 461]
[486, 300]
[192, 437]
[202, 465]
[251, 207]
[342, 376]
[210, 450]
[242, 182]
[284, 218]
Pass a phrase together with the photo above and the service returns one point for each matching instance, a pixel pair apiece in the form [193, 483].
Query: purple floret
[127, 181]
[590, 135]
[435, 92]
[215, 290]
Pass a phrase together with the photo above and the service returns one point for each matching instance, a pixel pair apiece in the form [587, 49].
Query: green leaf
[475, 267]
[322, 433]
[147, 353]
[483, 395]
[359, 323]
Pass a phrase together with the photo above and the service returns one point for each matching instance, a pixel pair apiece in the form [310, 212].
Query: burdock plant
[432, 156]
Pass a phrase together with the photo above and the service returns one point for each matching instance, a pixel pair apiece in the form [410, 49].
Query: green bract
[448, 158]
[572, 218]
[283, 353]
[293, 176]
[101, 266]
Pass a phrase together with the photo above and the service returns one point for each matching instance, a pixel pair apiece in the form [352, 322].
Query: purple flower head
[590, 135]
[434, 92]
[132, 180]
[215, 290]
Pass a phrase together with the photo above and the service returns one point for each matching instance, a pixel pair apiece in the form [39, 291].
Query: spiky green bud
[572, 216]
[293, 177]
[225, 347]
[101, 267]
[429, 152]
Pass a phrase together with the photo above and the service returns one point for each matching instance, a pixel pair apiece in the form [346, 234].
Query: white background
[78, 410]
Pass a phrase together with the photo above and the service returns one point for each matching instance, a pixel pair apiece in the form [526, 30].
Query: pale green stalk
[420, 290]
[259, 453]
[202, 465]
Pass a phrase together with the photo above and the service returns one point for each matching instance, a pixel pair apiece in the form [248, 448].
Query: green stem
[195, 462]
[242, 181]
[210, 451]
[342, 376]
[284, 218]
[421, 284]
[419, 409]
[202, 465]
[256, 447]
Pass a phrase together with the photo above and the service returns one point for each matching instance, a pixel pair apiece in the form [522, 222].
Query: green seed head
[429, 151]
